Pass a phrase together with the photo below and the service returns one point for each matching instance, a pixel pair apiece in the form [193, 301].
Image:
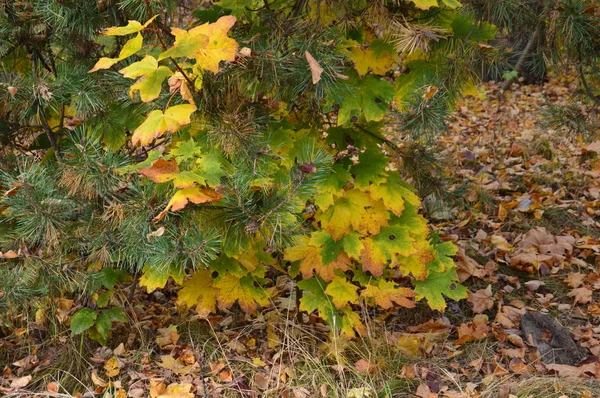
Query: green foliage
[227, 152]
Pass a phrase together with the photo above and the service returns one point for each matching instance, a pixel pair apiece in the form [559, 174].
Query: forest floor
[524, 213]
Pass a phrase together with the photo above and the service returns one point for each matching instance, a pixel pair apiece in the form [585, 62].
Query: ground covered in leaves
[522, 204]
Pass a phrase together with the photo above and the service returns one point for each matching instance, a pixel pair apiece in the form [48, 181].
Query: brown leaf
[97, 380]
[262, 381]
[52, 387]
[315, 69]
[365, 367]
[581, 295]
[481, 300]
[423, 391]
[21, 382]
[574, 371]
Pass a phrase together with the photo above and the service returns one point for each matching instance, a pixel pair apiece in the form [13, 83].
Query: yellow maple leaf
[385, 294]
[346, 214]
[158, 123]
[199, 292]
[232, 289]
[131, 27]
[207, 43]
[311, 260]
[131, 47]
[366, 59]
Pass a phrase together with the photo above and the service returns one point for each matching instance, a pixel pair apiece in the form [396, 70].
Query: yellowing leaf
[385, 294]
[207, 43]
[174, 365]
[345, 214]
[161, 170]
[176, 391]
[184, 196]
[112, 367]
[150, 85]
[157, 123]
[155, 277]
[199, 292]
[131, 27]
[425, 4]
[379, 57]
[131, 47]
[342, 292]
[242, 290]
[311, 259]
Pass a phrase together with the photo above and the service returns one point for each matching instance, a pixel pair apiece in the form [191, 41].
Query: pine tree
[251, 144]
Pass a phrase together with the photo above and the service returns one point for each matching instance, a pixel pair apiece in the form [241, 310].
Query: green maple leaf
[437, 285]
[351, 244]
[369, 97]
[394, 192]
[82, 320]
[210, 168]
[186, 150]
[370, 167]
[314, 298]
[342, 292]
[155, 277]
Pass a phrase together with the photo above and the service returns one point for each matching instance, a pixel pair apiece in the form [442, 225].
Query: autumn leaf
[157, 123]
[151, 77]
[112, 367]
[199, 292]
[242, 290]
[481, 300]
[207, 43]
[341, 292]
[184, 196]
[131, 47]
[437, 285]
[379, 57]
[131, 27]
[385, 294]
[315, 69]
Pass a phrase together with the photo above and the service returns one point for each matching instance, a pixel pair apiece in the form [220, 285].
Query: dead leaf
[365, 367]
[581, 295]
[21, 382]
[315, 69]
[112, 367]
[481, 300]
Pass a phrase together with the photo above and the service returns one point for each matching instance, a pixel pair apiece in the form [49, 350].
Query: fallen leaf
[315, 69]
[21, 382]
[481, 300]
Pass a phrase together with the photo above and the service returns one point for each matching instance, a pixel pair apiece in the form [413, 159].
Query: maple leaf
[379, 58]
[477, 329]
[131, 27]
[155, 277]
[581, 295]
[437, 285]
[207, 43]
[151, 77]
[161, 170]
[131, 47]
[382, 249]
[232, 289]
[370, 167]
[481, 300]
[184, 196]
[199, 292]
[385, 294]
[345, 214]
[369, 97]
[394, 192]
[312, 259]
[158, 123]
[174, 365]
[315, 298]
[341, 292]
